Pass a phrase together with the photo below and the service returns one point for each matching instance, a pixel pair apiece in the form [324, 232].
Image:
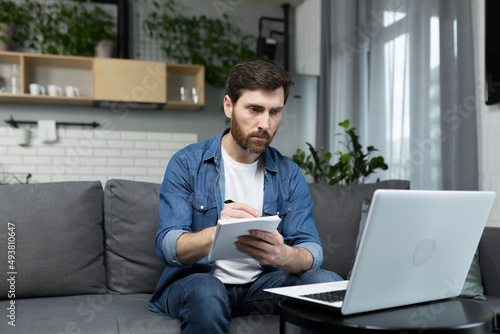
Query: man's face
[255, 118]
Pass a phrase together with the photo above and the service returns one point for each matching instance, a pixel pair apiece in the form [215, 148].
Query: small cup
[72, 91]
[54, 90]
[36, 89]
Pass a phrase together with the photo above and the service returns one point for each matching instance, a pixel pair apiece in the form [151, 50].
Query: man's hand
[192, 247]
[270, 249]
[239, 210]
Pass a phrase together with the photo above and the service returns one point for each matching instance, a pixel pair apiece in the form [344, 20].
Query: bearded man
[235, 175]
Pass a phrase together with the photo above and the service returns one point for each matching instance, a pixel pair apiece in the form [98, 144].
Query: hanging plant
[352, 167]
[215, 43]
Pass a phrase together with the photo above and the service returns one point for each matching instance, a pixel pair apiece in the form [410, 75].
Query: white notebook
[228, 231]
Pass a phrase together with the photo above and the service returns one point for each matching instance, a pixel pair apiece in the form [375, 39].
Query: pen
[227, 201]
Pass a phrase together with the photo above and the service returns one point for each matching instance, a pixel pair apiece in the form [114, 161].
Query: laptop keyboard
[328, 296]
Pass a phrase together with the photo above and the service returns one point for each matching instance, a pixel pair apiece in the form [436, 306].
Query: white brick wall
[90, 154]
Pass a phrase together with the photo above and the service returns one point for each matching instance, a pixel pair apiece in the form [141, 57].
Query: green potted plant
[101, 32]
[352, 166]
[217, 44]
[14, 19]
[69, 29]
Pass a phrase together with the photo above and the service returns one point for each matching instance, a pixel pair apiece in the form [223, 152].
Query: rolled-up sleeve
[316, 251]
[302, 230]
[174, 210]
[169, 245]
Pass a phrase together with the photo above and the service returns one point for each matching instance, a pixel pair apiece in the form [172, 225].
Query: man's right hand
[239, 210]
[192, 247]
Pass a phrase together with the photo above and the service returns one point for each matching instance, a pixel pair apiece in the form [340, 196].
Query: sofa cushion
[66, 314]
[337, 213]
[131, 223]
[489, 261]
[57, 233]
[111, 313]
[473, 285]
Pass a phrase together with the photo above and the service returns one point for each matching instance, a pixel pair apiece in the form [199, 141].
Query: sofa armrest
[489, 260]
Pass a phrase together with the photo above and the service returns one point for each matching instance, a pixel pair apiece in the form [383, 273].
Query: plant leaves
[352, 167]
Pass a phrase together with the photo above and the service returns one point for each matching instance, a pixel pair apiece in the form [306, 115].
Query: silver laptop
[417, 246]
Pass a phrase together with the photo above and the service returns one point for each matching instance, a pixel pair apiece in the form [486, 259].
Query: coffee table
[453, 315]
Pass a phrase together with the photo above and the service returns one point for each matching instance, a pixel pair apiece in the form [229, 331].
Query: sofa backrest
[54, 232]
[65, 245]
[337, 214]
[131, 223]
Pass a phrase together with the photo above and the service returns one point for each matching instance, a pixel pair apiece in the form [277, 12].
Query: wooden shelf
[10, 57]
[180, 105]
[107, 80]
[129, 80]
[189, 77]
[57, 61]
[45, 99]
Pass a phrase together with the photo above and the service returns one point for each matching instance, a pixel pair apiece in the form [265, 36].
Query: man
[237, 167]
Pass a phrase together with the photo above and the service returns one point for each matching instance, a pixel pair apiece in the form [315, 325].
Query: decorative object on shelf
[102, 33]
[218, 44]
[104, 48]
[70, 28]
[14, 19]
[353, 167]
[183, 93]
[195, 95]
[15, 80]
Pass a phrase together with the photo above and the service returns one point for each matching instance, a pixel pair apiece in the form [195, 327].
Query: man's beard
[246, 142]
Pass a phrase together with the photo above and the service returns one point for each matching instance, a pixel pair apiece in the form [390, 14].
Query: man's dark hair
[256, 74]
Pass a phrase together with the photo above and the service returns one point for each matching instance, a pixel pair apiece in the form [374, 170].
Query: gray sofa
[78, 258]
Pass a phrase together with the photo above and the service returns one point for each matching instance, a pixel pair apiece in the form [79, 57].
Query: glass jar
[15, 80]
[195, 95]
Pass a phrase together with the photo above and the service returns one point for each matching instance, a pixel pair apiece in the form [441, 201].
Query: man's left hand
[265, 247]
[270, 249]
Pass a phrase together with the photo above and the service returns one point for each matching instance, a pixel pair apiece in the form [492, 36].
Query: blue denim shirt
[191, 199]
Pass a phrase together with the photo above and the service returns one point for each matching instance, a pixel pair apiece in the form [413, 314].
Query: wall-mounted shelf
[188, 77]
[60, 100]
[103, 81]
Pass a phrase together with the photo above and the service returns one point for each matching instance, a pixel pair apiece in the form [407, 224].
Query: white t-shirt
[244, 183]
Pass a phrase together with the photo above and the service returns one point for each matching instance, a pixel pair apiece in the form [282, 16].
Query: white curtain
[402, 71]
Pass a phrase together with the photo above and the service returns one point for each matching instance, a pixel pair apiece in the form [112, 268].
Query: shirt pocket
[204, 211]
[280, 208]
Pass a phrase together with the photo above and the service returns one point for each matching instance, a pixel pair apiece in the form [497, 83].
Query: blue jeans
[205, 305]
